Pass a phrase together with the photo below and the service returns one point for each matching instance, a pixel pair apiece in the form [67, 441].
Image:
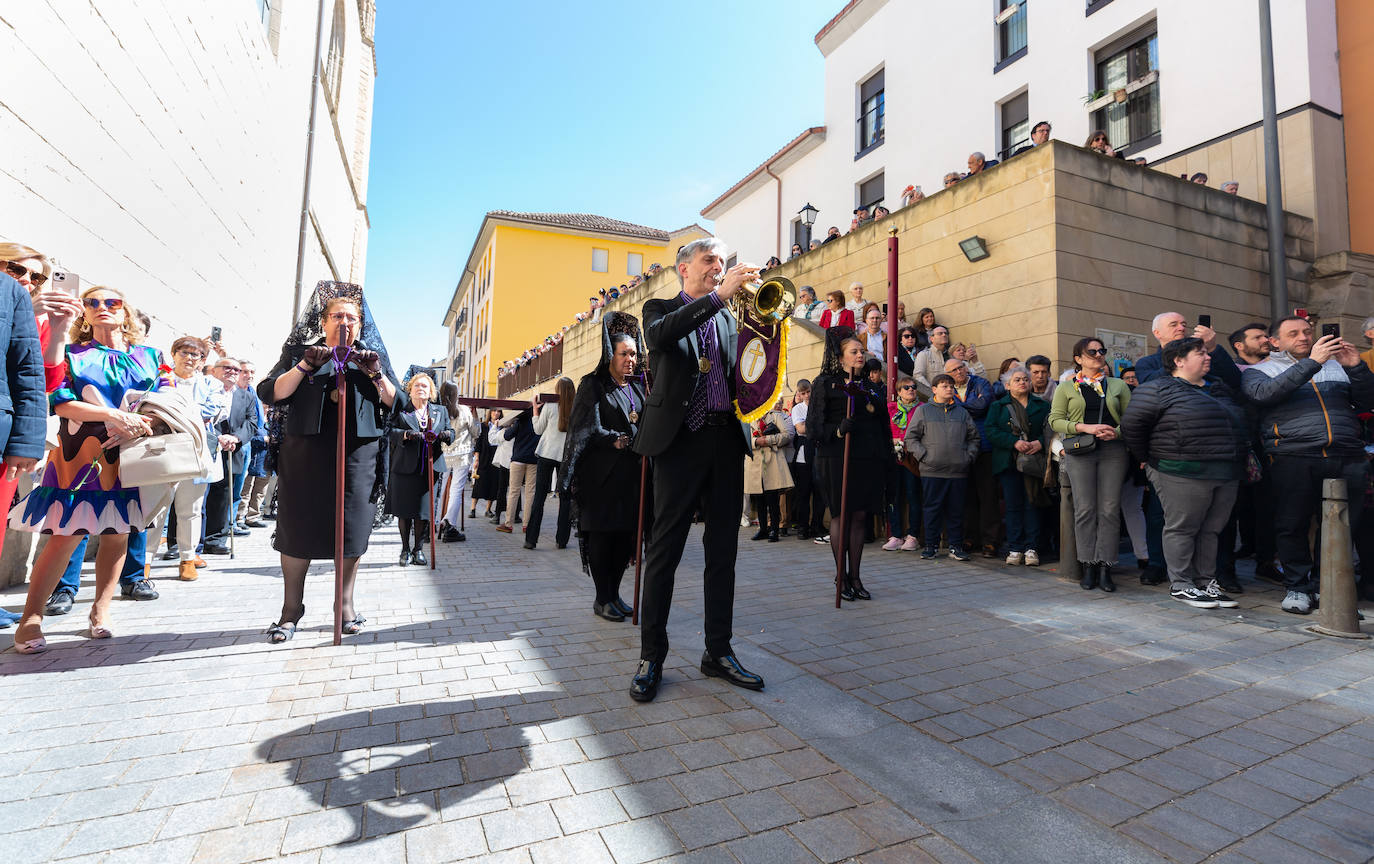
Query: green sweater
[1068, 406]
[1002, 438]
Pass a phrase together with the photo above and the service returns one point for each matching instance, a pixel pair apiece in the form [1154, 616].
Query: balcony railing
[542, 368]
[461, 322]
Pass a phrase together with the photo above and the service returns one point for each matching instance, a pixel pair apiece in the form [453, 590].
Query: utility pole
[1273, 179]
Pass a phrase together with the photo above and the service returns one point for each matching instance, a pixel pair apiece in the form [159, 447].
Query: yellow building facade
[529, 274]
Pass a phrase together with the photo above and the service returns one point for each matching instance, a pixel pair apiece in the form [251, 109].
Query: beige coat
[767, 471]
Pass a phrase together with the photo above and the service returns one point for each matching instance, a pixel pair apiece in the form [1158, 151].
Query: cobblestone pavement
[969, 712]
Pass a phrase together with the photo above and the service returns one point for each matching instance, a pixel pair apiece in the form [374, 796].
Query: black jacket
[307, 401]
[1168, 418]
[670, 332]
[242, 424]
[407, 457]
[522, 433]
[604, 480]
[872, 430]
[1305, 409]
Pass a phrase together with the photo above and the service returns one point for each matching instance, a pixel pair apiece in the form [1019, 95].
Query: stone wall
[1077, 242]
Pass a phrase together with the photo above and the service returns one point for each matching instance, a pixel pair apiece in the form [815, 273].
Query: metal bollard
[1337, 615]
[1068, 543]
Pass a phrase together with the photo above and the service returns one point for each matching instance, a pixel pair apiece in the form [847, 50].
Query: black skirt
[867, 477]
[406, 496]
[305, 491]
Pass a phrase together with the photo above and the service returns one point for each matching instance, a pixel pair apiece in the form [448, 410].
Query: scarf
[1080, 378]
[1019, 418]
[903, 412]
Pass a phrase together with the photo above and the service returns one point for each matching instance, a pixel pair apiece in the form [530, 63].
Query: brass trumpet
[771, 299]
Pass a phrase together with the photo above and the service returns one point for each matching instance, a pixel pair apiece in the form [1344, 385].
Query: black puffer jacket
[1168, 418]
[1307, 409]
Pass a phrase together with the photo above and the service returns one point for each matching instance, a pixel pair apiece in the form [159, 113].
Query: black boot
[1088, 580]
[1104, 577]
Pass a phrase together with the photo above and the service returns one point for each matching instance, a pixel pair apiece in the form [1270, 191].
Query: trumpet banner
[760, 363]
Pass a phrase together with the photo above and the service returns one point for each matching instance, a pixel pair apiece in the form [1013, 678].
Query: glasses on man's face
[19, 271]
[1095, 352]
[107, 302]
[229, 370]
[343, 318]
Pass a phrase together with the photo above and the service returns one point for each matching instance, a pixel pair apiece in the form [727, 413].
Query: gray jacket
[1306, 408]
[943, 438]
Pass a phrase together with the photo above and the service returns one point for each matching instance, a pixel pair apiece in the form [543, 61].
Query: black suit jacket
[670, 333]
[242, 424]
[408, 457]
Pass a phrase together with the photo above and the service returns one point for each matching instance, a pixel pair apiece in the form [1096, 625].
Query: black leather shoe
[625, 608]
[644, 686]
[772, 536]
[847, 591]
[1087, 575]
[418, 557]
[459, 537]
[241, 531]
[761, 535]
[405, 557]
[729, 668]
[529, 545]
[609, 611]
[216, 549]
[60, 603]
[860, 591]
[141, 590]
[449, 534]
[170, 555]
[1153, 576]
[255, 522]
[1104, 578]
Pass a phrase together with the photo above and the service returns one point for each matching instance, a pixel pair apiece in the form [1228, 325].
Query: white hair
[1159, 319]
[1368, 325]
[980, 156]
[1012, 370]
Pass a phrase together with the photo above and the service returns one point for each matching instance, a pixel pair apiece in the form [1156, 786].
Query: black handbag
[1083, 443]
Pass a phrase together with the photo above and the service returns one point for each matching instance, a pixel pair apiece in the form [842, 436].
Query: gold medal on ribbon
[704, 364]
[634, 416]
[869, 406]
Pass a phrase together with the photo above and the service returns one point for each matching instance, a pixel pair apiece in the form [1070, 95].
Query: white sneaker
[892, 545]
[1032, 559]
[1016, 557]
[823, 540]
[744, 521]
[910, 544]
[1297, 602]
[1193, 597]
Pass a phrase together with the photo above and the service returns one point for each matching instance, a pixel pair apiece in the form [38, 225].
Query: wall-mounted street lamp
[808, 215]
[975, 248]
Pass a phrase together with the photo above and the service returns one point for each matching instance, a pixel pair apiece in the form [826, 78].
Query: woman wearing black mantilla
[600, 471]
[334, 335]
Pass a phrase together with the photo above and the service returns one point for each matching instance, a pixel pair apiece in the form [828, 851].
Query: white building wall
[942, 95]
[160, 148]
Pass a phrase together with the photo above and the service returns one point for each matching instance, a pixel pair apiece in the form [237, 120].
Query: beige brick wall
[1077, 242]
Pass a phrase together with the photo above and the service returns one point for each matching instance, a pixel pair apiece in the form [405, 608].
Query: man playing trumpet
[697, 444]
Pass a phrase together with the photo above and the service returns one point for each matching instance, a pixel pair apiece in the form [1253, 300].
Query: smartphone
[1331, 330]
[215, 334]
[69, 282]
[884, 310]
[1204, 320]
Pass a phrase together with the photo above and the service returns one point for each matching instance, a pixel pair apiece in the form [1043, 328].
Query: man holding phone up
[1169, 326]
[1308, 394]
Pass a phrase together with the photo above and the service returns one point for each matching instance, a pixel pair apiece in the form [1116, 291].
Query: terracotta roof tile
[585, 222]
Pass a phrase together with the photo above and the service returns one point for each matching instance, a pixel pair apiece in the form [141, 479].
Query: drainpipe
[309, 159]
[777, 237]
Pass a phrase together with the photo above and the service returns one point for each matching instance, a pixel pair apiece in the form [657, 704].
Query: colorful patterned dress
[80, 491]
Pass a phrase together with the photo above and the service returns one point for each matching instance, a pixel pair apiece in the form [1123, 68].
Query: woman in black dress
[486, 484]
[336, 332]
[844, 402]
[415, 425]
[600, 471]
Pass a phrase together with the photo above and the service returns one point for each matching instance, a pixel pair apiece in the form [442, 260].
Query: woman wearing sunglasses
[80, 493]
[53, 309]
[1087, 412]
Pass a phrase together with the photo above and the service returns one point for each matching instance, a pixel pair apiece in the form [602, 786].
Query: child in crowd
[943, 438]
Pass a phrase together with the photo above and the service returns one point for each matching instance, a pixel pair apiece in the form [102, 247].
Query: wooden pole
[639, 534]
[429, 471]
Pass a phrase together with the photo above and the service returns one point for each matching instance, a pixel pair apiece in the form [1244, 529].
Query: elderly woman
[334, 338]
[80, 493]
[601, 473]
[1191, 434]
[188, 496]
[417, 426]
[845, 403]
[766, 475]
[1015, 426]
[1087, 412]
[835, 313]
[808, 307]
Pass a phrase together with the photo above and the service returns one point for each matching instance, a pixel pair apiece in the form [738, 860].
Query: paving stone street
[969, 712]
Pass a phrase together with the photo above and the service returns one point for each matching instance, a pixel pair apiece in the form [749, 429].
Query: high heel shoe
[354, 626]
[98, 631]
[283, 631]
[405, 557]
[847, 591]
[860, 591]
[31, 646]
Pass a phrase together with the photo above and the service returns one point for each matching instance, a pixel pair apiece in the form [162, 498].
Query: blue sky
[643, 111]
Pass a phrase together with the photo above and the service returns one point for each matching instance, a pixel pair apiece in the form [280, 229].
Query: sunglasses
[108, 303]
[19, 271]
[1095, 352]
[906, 387]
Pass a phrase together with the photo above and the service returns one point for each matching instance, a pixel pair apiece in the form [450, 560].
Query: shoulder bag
[1030, 464]
[1084, 443]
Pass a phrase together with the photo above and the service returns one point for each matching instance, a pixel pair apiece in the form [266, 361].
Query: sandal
[354, 627]
[278, 633]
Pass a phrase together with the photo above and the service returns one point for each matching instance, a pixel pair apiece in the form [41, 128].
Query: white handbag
[160, 459]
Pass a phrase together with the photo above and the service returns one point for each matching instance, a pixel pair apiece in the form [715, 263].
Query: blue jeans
[1023, 522]
[133, 563]
[943, 504]
[906, 487]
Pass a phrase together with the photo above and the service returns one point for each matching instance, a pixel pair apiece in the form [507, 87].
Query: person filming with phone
[1308, 393]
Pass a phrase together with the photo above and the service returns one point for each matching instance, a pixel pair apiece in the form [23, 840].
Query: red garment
[846, 318]
[53, 376]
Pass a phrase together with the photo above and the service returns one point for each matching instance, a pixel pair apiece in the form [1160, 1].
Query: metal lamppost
[808, 215]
